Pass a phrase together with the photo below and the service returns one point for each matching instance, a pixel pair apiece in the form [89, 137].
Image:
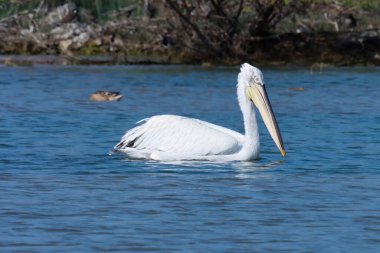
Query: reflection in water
[249, 169]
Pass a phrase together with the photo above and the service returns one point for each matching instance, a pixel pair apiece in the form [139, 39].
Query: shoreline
[305, 49]
[21, 60]
[321, 35]
[107, 60]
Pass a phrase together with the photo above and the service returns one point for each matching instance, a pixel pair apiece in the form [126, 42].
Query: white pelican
[170, 137]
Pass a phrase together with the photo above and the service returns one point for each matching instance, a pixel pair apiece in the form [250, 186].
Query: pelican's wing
[179, 135]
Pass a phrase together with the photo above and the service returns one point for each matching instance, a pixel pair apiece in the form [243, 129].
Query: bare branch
[203, 38]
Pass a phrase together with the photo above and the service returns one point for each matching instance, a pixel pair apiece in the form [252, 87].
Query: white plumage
[170, 137]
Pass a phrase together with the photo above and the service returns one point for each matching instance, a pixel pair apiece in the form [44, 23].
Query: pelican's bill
[259, 96]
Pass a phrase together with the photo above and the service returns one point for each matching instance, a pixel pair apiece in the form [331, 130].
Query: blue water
[60, 191]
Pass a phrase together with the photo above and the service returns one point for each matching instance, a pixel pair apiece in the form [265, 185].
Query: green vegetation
[364, 4]
[97, 8]
[100, 8]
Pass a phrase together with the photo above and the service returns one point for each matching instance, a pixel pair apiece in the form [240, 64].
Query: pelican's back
[169, 134]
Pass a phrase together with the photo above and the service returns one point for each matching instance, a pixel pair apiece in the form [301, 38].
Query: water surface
[61, 191]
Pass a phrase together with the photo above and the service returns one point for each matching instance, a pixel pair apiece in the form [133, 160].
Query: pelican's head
[252, 82]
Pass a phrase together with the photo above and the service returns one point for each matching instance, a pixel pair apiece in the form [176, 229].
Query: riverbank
[52, 37]
[339, 49]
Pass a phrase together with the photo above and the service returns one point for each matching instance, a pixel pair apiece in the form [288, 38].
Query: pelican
[174, 138]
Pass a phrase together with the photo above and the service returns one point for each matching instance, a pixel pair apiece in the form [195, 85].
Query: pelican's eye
[256, 79]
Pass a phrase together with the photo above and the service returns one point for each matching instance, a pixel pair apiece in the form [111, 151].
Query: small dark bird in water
[106, 96]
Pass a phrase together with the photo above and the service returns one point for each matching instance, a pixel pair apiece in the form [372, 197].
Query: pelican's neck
[250, 125]
[251, 143]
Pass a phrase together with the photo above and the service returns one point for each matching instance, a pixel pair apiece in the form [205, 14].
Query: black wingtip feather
[129, 144]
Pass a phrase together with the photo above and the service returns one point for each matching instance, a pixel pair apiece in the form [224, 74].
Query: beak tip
[283, 152]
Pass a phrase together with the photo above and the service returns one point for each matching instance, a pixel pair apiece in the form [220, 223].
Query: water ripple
[61, 191]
